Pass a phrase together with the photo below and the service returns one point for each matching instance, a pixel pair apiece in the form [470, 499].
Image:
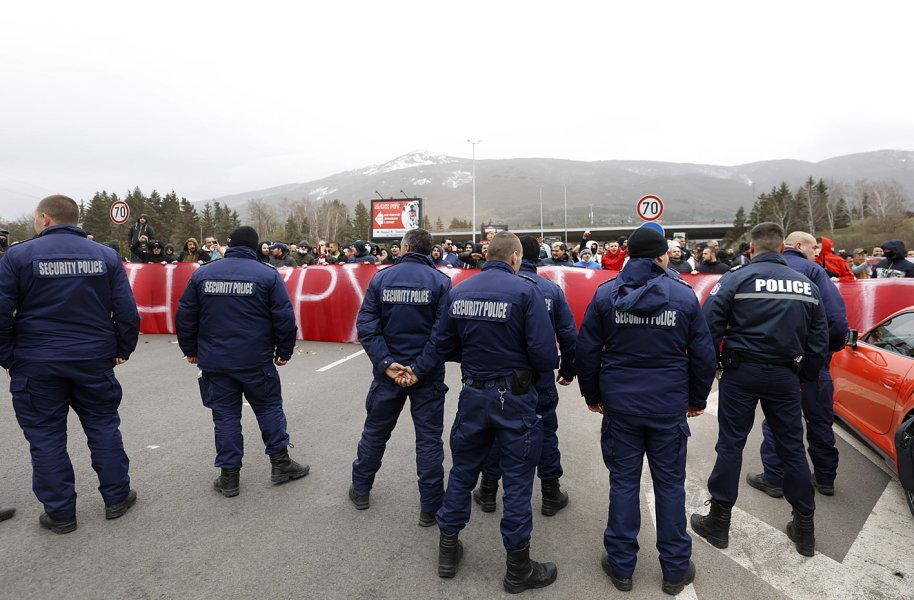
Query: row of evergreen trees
[818, 207]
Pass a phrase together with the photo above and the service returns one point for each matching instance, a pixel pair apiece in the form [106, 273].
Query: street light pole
[542, 230]
[472, 143]
[565, 192]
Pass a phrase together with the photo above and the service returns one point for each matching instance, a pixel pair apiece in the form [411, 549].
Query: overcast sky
[214, 98]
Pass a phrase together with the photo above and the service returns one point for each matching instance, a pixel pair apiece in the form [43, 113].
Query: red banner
[327, 299]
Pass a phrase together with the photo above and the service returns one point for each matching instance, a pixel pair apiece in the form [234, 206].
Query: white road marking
[340, 361]
[153, 447]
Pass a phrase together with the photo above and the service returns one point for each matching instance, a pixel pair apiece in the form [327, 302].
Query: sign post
[649, 207]
[119, 212]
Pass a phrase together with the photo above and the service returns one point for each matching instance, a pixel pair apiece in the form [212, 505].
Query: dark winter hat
[585, 250]
[646, 242]
[359, 246]
[279, 245]
[244, 236]
[531, 248]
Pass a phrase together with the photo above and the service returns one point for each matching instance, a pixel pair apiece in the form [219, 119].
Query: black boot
[116, 511]
[6, 512]
[760, 482]
[674, 587]
[554, 499]
[227, 482]
[802, 532]
[525, 574]
[485, 494]
[450, 551]
[57, 526]
[285, 469]
[715, 527]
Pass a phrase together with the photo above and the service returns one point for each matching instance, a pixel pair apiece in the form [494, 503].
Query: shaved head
[61, 209]
[503, 246]
[802, 241]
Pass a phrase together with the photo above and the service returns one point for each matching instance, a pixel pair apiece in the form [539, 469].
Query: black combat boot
[57, 526]
[554, 499]
[227, 482]
[450, 551]
[285, 469]
[802, 532]
[760, 482]
[525, 574]
[485, 494]
[116, 511]
[715, 527]
[6, 512]
[674, 587]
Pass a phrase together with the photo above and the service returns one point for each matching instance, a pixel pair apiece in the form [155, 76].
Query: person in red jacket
[834, 265]
[613, 258]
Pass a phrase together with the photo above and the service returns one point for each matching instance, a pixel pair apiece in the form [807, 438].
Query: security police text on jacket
[389, 326]
[64, 297]
[263, 324]
[654, 316]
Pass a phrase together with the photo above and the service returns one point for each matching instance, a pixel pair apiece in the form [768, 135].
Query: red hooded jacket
[834, 265]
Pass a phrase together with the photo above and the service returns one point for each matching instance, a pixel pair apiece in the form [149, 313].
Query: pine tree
[189, 225]
[169, 226]
[95, 218]
[207, 223]
[361, 222]
[739, 226]
[439, 224]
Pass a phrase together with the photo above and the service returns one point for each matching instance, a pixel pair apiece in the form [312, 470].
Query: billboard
[391, 219]
[489, 231]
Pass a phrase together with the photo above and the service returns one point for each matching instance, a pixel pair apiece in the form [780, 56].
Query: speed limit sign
[119, 212]
[650, 208]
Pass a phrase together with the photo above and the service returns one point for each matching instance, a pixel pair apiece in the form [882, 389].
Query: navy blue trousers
[550, 465]
[778, 390]
[819, 413]
[481, 420]
[383, 406]
[625, 439]
[221, 393]
[43, 394]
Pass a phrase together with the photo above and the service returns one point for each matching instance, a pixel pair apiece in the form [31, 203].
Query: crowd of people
[891, 259]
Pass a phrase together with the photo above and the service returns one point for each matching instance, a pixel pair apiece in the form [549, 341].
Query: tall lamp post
[472, 143]
[542, 230]
[565, 193]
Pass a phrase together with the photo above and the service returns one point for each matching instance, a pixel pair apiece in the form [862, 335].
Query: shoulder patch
[737, 267]
[527, 277]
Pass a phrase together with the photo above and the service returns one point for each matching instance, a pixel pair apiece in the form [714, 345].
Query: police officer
[645, 361]
[67, 317]
[235, 322]
[549, 468]
[818, 404]
[398, 313]
[497, 326]
[774, 332]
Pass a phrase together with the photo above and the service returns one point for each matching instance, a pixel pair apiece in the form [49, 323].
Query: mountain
[508, 190]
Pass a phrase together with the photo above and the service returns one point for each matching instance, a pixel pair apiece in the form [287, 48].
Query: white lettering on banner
[71, 268]
[665, 319]
[228, 288]
[481, 309]
[406, 296]
[787, 286]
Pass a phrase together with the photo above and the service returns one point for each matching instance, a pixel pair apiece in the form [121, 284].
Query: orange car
[874, 391]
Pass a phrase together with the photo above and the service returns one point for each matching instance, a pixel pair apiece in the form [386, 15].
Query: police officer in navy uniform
[774, 332]
[549, 468]
[67, 317]
[645, 361]
[235, 322]
[818, 403]
[497, 326]
[398, 313]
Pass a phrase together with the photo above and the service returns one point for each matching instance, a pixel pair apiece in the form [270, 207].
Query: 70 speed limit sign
[119, 212]
[650, 208]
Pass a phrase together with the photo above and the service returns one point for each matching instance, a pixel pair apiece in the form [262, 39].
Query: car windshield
[895, 335]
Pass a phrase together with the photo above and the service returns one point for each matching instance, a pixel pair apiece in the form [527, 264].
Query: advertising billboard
[391, 219]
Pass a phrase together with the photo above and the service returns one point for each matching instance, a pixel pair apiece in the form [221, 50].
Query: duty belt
[760, 360]
[481, 384]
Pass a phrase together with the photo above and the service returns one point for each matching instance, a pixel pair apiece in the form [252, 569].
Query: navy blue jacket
[562, 319]
[770, 312]
[832, 302]
[235, 314]
[494, 323]
[644, 346]
[452, 260]
[64, 297]
[400, 309]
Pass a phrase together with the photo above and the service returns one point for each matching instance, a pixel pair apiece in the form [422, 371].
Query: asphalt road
[305, 540]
